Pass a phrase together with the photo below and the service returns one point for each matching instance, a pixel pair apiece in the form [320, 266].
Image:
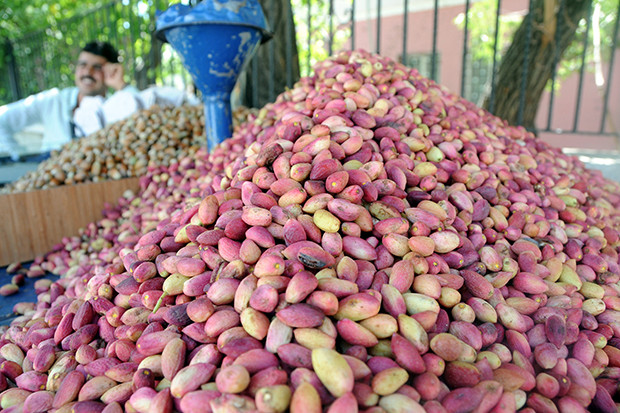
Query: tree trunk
[276, 63]
[544, 44]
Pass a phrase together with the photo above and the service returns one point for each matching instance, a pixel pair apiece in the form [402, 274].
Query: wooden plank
[31, 223]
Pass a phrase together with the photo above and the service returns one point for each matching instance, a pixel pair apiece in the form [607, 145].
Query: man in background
[73, 112]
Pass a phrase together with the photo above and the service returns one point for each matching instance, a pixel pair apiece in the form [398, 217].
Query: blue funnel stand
[215, 40]
[218, 118]
[215, 55]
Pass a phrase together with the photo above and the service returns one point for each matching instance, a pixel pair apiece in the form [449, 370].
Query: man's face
[89, 74]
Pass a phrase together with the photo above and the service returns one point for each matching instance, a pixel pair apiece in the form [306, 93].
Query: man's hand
[114, 76]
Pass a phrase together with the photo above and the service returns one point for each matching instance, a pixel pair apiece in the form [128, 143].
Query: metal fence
[419, 33]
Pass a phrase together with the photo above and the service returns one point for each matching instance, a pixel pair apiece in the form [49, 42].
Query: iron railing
[45, 58]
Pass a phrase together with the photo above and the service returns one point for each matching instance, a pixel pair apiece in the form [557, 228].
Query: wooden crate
[31, 223]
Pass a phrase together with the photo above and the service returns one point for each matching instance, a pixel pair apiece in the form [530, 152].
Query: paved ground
[607, 162]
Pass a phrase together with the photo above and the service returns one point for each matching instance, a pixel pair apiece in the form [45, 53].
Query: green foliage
[607, 19]
[25, 16]
[47, 37]
[481, 27]
[20, 17]
[319, 32]
[38, 20]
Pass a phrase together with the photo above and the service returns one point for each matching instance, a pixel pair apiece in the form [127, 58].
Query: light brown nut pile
[158, 136]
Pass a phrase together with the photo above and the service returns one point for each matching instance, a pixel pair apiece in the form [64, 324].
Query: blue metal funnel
[215, 40]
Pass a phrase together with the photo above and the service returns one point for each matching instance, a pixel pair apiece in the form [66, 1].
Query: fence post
[154, 59]
[12, 69]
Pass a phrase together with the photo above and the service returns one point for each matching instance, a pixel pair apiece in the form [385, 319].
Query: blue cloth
[26, 294]
[37, 158]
